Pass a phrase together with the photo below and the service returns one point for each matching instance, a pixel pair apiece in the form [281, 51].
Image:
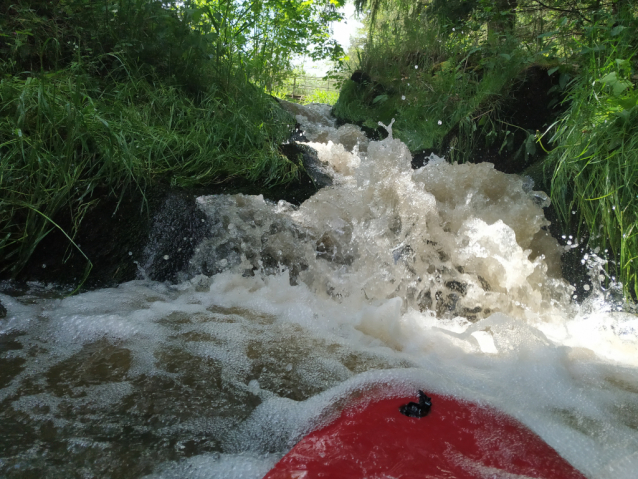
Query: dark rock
[177, 228]
[3, 311]
[361, 77]
[471, 314]
[112, 235]
[307, 156]
[373, 134]
[424, 300]
[532, 104]
[298, 134]
[456, 286]
[446, 304]
[115, 233]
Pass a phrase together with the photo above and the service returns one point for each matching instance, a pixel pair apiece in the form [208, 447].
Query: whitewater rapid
[443, 278]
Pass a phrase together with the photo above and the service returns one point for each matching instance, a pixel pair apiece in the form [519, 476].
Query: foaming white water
[441, 279]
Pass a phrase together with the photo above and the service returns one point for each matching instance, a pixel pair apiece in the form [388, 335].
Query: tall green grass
[65, 134]
[432, 82]
[122, 95]
[595, 160]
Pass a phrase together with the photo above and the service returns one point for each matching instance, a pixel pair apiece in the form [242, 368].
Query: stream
[391, 280]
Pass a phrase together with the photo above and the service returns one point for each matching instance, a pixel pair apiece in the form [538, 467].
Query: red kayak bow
[455, 440]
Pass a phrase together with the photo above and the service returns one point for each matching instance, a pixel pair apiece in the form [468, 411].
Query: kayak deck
[456, 440]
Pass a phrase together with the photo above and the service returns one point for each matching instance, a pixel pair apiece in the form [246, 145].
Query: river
[443, 278]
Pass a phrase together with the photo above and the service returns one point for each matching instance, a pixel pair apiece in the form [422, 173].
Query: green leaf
[609, 78]
[616, 30]
[619, 87]
[380, 99]
[530, 145]
[506, 56]
[628, 103]
[551, 71]
[624, 114]
[547, 34]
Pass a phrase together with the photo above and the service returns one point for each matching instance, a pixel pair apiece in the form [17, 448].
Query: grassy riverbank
[120, 96]
[542, 88]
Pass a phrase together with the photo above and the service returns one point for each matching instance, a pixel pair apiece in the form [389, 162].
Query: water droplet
[253, 385]
[586, 287]
[166, 256]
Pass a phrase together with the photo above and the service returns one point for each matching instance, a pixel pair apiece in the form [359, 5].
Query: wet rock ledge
[152, 234]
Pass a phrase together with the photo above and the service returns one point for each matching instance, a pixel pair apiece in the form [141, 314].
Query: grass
[127, 94]
[310, 89]
[432, 87]
[328, 97]
[66, 134]
[595, 160]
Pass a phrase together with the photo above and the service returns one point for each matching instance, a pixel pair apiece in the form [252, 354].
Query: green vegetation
[106, 97]
[302, 88]
[433, 78]
[454, 74]
[595, 159]
[329, 97]
[117, 95]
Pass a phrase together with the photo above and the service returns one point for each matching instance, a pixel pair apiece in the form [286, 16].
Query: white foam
[394, 280]
[218, 466]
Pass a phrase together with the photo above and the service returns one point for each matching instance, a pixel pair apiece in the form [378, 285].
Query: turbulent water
[442, 278]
